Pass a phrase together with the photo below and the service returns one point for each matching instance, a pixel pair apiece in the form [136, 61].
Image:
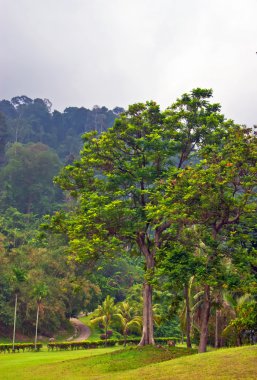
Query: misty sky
[118, 52]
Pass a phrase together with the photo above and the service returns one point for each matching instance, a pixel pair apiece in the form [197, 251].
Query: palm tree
[127, 319]
[191, 313]
[186, 311]
[40, 291]
[235, 305]
[19, 277]
[104, 314]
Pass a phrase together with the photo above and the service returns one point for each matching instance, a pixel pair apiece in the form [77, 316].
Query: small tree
[104, 314]
[117, 177]
[241, 309]
[19, 277]
[127, 319]
[40, 291]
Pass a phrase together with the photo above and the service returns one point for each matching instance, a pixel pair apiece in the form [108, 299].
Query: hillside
[32, 120]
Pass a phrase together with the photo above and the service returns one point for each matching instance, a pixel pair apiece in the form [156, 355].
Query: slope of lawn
[132, 364]
[225, 364]
[83, 364]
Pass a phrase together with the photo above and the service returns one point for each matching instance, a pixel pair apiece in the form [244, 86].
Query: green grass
[146, 363]
[225, 364]
[88, 363]
[23, 365]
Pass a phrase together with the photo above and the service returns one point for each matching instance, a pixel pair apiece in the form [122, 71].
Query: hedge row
[19, 347]
[101, 343]
[76, 345]
[81, 345]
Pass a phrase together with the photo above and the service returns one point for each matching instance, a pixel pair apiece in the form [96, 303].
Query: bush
[81, 345]
[20, 347]
[100, 343]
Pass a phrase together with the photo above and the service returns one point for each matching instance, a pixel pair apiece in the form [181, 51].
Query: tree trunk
[205, 320]
[147, 335]
[217, 329]
[188, 318]
[239, 340]
[106, 328]
[14, 321]
[36, 327]
[125, 338]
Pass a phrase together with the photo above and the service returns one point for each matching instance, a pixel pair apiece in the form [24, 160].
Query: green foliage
[115, 277]
[243, 317]
[113, 181]
[68, 290]
[31, 120]
[104, 315]
[26, 178]
[128, 320]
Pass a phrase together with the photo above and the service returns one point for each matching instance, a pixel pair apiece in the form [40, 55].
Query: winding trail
[82, 332]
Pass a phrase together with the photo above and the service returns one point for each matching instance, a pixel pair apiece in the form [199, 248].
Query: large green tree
[117, 176]
[215, 195]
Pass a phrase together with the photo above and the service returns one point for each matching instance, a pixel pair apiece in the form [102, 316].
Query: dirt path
[82, 332]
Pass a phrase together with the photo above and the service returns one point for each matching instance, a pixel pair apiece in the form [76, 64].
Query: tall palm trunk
[37, 325]
[125, 334]
[106, 329]
[205, 320]
[188, 317]
[217, 328]
[14, 321]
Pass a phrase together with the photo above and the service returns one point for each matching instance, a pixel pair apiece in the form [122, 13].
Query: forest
[144, 218]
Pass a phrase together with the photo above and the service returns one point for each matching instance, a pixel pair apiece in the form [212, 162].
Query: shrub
[100, 343]
[20, 347]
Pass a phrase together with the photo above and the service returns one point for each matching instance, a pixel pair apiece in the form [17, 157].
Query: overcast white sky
[117, 52]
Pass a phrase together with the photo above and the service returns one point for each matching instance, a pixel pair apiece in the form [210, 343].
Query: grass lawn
[225, 364]
[82, 364]
[146, 363]
[23, 365]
